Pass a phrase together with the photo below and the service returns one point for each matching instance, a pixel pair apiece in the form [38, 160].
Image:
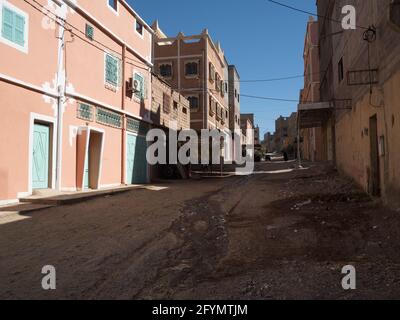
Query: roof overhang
[313, 115]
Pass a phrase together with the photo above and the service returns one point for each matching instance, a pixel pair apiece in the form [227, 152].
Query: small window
[238, 97]
[235, 93]
[194, 102]
[192, 69]
[166, 103]
[217, 82]
[175, 105]
[89, 31]
[113, 4]
[139, 28]
[112, 70]
[166, 70]
[395, 13]
[341, 70]
[14, 27]
[184, 110]
[212, 72]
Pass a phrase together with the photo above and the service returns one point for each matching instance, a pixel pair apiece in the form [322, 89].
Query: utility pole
[298, 141]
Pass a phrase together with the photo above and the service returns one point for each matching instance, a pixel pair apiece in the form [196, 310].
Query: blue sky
[262, 39]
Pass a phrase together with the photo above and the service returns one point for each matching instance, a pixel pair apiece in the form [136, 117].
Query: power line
[311, 13]
[268, 98]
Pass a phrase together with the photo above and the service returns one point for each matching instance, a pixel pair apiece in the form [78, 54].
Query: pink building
[75, 90]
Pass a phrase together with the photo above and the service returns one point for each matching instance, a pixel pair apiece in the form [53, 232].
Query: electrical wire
[311, 13]
[90, 42]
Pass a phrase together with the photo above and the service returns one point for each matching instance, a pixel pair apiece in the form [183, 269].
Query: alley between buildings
[269, 235]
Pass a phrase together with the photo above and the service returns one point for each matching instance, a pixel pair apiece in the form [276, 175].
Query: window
[175, 105]
[166, 103]
[141, 89]
[217, 82]
[193, 102]
[192, 69]
[184, 110]
[166, 70]
[212, 72]
[226, 87]
[235, 93]
[139, 28]
[218, 111]
[89, 31]
[238, 97]
[112, 70]
[14, 27]
[394, 14]
[113, 4]
[212, 106]
[341, 70]
[222, 87]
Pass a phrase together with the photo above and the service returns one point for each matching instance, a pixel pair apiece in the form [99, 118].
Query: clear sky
[262, 39]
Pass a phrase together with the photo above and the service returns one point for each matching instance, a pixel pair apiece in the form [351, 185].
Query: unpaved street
[272, 235]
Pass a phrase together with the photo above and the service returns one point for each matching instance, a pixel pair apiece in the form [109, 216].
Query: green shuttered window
[141, 91]
[112, 70]
[85, 112]
[13, 26]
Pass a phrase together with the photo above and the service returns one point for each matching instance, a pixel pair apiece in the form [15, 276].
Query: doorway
[41, 157]
[136, 162]
[374, 184]
[89, 156]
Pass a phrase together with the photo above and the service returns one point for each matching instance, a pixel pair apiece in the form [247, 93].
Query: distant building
[313, 134]
[281, 132]
[234, 101]
[195, 66]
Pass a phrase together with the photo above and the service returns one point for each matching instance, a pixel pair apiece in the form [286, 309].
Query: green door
[136, 160]
[41, 154]
[86, 171]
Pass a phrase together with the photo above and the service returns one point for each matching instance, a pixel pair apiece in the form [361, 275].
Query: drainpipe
[60, 102]
[123, 131]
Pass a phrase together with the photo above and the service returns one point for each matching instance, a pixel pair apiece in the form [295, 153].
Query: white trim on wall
[25, 48]
[26, 85]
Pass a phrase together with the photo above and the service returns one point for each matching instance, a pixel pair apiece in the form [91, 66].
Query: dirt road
[277, 234]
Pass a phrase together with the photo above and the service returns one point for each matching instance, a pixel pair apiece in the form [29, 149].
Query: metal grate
[132, 125]
[85, 112]
[108, 118]
[136, 126]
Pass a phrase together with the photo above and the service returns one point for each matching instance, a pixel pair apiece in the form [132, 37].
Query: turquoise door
[136, 160]
[41, 154]
[86, 172]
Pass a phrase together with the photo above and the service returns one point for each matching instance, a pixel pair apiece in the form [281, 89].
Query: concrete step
[76, 197]
[24, 208]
